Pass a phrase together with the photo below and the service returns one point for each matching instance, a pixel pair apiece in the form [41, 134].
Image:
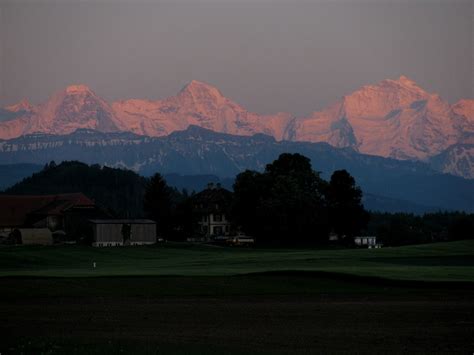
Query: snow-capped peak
[406, 81]
[199, 90]
[78, 89]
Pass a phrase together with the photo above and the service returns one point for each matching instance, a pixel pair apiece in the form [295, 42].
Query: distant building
[62, 213]
[212, 207]
[121, 232]
[366, 241]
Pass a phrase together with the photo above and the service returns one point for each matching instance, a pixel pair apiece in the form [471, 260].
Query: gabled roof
[15, 209]
[213, 195]
[213, 199]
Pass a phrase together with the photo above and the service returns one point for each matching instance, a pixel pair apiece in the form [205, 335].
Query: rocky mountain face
[394, 118]
[198, 151]
[66, 111]
[457, 160]
[196, 104]
[465, 108]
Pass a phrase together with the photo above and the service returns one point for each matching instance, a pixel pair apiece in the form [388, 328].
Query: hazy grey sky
[295, 56]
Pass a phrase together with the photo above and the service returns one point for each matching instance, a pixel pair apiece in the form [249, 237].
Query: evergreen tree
[347, 216]
[158, 203]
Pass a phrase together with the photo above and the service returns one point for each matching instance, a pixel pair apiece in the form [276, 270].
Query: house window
[217, 230]
[217, 217]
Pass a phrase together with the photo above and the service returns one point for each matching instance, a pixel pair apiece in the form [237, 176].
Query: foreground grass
[453, 261]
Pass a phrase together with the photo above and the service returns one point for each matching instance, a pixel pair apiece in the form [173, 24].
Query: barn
[65, 215]
[118, 232]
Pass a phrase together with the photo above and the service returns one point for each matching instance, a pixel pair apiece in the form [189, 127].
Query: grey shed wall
[111, 233]
[143, 233]
[108, 233]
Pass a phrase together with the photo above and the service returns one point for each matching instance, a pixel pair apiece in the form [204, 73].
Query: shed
[34, 236]
[118, 232]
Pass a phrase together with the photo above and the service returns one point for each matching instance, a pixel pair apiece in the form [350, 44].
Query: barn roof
[15, 209]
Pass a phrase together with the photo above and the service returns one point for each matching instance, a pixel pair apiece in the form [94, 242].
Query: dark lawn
[453, 261]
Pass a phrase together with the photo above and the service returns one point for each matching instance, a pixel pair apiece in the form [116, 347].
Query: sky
[269, 56]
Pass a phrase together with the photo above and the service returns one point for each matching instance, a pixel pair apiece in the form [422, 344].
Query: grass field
[452, 261]
[191, 299]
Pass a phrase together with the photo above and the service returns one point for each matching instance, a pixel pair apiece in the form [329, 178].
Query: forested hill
[118, 191]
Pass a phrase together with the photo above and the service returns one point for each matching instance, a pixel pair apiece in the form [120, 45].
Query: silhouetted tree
[462, 227]
[158, 203]
[347, 216]
[283, 204]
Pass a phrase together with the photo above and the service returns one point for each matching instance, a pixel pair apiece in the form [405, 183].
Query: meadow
[197, 299]
[451, 261]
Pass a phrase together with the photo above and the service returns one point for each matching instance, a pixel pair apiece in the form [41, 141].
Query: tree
[158, 203]
[249, 190]
[462, 227]
[347, 215]
[284, 204]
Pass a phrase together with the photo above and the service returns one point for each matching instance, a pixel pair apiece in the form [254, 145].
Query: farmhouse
[121, 232]
[61, 214]
[211, 207]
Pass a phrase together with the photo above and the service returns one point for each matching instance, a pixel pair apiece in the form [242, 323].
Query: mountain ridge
[199, 151]
[392, 118]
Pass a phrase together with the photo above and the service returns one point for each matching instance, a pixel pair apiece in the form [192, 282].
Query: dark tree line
[287, 203]
[403, 229]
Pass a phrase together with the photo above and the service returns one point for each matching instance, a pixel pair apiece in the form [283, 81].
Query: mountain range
[394, 119]
[199, 151]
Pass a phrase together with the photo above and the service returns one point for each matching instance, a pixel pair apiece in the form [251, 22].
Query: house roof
[213, 195]
[212, 200]
[15, 209]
